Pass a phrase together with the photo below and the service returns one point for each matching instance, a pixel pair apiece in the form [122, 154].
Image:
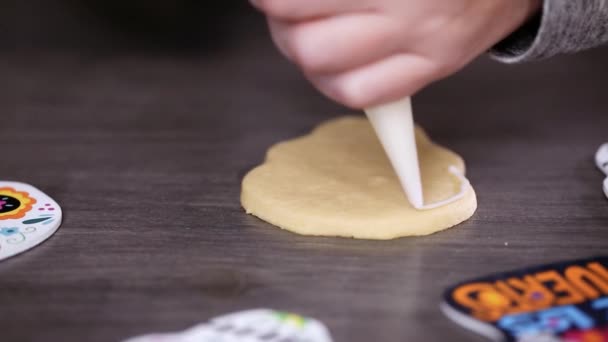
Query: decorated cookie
[601, 160]
[261, 325]
[27, 218]
[566, 301]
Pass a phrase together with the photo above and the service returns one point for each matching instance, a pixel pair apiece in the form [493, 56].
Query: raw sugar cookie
[337, 181]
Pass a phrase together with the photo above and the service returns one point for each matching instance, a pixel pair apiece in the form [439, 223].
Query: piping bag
[394, 126]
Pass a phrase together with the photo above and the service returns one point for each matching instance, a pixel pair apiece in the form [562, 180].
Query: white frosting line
[464, 187]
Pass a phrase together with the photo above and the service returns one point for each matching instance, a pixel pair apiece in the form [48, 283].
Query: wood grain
[145, 153]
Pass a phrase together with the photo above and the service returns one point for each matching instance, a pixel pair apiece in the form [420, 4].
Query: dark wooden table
[145, 153]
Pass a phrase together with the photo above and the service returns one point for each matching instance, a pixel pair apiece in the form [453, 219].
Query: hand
[367, 52]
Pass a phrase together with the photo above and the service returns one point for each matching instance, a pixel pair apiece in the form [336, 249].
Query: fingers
[360, 55]
[292, 10]
[384, 81]
[338, 43]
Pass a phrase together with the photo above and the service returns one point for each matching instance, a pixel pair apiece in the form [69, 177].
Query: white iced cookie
[27, 218]
[337, 181]
[258, 325]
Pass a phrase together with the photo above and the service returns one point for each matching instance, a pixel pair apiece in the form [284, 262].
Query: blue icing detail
[36, 220]
[9, 231]
[553, 320]
[601, 304]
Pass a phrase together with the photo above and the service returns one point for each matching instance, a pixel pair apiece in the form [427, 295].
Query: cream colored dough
[337, 181]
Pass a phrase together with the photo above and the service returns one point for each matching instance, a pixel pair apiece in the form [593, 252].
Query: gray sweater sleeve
[563, 26]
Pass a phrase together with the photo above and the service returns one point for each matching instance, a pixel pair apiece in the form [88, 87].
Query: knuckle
[276, 8]
[433, 68]
[307, 51]
[300, 43]
[445, 67]
[349, 94]
[435, 25]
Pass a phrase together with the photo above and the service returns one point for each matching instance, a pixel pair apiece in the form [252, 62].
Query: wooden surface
[145, 152]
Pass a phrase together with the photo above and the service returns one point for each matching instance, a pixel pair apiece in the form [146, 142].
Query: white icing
[258, 325]
[464, 187]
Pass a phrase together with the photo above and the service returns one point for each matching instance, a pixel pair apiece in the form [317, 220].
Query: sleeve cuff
[563, 26]
[520, 46]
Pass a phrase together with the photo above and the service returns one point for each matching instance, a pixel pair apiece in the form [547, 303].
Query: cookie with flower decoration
[257, 325]
[28, 217]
